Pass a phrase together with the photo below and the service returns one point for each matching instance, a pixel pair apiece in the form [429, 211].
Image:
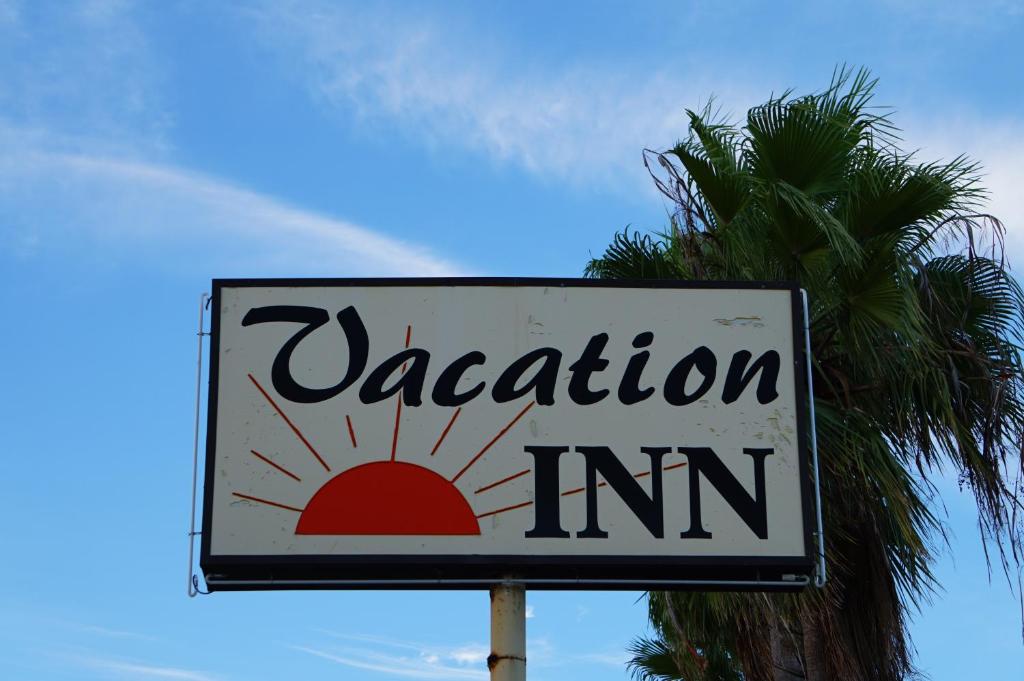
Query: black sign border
[475, 571]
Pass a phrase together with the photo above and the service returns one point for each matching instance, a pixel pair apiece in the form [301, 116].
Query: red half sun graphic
[388, 497]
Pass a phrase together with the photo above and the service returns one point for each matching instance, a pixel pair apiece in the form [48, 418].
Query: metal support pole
[192, 589]
[507, 660]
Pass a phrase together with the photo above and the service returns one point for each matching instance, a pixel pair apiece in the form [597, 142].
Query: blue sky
[149, 147]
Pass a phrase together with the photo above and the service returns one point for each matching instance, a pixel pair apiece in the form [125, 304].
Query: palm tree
[915, 326]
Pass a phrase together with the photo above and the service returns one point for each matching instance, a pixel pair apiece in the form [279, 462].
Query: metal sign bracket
[193, 577]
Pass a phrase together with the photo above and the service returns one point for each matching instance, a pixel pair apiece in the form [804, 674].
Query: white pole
[192, 590]
[507, 660]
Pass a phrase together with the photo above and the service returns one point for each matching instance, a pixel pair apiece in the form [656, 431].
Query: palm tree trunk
[814, 647]
[785, 655]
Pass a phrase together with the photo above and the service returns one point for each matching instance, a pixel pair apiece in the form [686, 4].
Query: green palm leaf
[916, 357]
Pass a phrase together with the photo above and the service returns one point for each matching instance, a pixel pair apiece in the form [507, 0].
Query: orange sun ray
[507, 508]
[351, 431]
[502, 481]
[394, 436]
[267, 502]
[289, 422]
[635, 475]
[564, 494]
[444, 433]
[493, 440]
[277, 466]
[398, 408]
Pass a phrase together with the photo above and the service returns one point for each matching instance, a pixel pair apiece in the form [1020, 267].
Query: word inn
[649, 509]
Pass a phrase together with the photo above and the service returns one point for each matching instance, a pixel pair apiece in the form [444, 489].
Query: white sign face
[466, 430]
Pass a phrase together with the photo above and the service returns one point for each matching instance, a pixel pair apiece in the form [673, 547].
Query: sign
[456, 432]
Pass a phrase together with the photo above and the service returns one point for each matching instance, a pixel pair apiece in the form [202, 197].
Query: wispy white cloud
[979, 13]
[542, 652]
[612, 659]
[115, 633]
[416, 659]
[465, 654]
[135, 670]
[582, 123]
[426, 666]
[469, 655]
[130, 208]
[530, 612]
[998, 145]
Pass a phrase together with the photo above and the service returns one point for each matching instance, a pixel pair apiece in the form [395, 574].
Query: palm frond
[917, 329]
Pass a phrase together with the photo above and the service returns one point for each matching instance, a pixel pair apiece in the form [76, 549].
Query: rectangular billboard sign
[457, 432]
